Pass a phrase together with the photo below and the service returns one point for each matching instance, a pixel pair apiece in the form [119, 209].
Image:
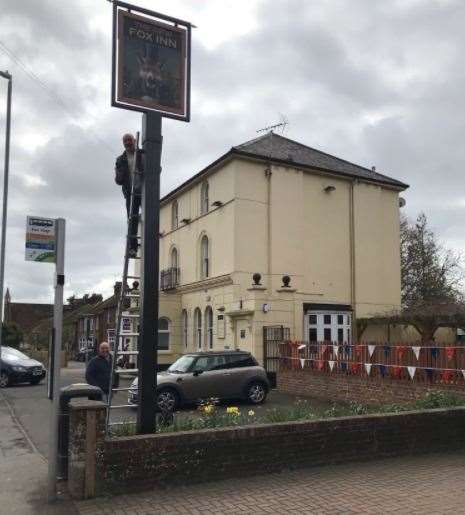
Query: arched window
[184, 328]
[174, 258]
[198, 329]
[204, 258]
[209, 328]
[163, 333]
[204, 198]
[174, 215]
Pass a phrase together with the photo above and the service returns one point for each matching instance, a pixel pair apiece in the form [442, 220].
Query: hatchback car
[16, 367]
[204, 375]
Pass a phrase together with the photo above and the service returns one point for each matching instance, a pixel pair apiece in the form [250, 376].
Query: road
[32, 408]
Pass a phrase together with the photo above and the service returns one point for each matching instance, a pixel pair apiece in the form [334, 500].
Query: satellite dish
[402, 202]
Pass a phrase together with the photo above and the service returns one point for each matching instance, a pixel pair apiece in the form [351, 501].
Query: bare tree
[430, 273]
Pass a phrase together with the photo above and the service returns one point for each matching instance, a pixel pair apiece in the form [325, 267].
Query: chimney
[117, 288]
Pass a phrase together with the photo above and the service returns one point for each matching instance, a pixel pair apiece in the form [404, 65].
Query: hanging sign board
[40, 239]
[151, 62]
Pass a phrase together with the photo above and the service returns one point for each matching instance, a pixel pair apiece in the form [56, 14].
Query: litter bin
[93, 393]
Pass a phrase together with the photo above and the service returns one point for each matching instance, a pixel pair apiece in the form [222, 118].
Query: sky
[377, 83]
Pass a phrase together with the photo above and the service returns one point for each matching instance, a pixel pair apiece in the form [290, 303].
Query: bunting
[354, 368]
[320, 364]
[447, 375]
[371, 349]
[302, 362]
[331, 365]
[359, 349]
[382, 370]
[434, 352]
[301, 347]
[450, 352]
[416, 351]
[387, 350]
[429, 373]
[411, 371]
[335, 350]
[323, 350]
[368, 368]
[397, 371]
[463, 373]
[343, 366]
[400, 351]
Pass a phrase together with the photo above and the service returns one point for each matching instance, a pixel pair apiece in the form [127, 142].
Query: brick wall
[360, 388]
[129, 463]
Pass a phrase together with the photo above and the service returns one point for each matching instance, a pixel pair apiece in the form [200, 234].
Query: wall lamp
[329, 189]
[217, 203]
[186, 220]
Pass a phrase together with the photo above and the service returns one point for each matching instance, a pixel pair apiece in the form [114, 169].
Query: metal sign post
[56, 359]
[148, 336]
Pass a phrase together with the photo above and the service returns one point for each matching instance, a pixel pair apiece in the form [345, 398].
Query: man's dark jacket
[122, 174]
[98, 373]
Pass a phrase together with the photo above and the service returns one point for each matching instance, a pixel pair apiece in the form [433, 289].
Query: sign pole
[148, 335]
[7, 76]
[56, 357]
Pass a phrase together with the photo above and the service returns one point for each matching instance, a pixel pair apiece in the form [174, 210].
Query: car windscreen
[10, 354]
[182, 364]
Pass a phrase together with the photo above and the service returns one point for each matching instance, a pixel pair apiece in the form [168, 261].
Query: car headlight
[19, 369]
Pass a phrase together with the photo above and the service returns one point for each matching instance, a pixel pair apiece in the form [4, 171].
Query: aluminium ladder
[125, 295]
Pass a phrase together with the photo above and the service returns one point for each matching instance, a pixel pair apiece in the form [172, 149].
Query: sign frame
[123, 9]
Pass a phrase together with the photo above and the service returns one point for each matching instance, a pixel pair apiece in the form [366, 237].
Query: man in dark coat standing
[98, 371]
[128, 171]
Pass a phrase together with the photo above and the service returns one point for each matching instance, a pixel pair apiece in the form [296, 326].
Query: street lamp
[9, 78]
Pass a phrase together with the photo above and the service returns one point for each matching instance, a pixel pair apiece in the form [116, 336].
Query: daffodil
[251, 413]
[233, 410]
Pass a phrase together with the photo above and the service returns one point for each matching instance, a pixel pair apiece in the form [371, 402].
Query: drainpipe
[268, 174]
[352, 260]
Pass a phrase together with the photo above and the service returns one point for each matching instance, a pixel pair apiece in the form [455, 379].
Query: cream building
[277, 208]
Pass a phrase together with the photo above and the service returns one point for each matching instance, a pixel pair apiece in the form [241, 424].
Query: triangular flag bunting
[302, 362]
[416, 351]
[411, 371]
[463, 373]
[368, 368]
[371, 349]
[331, 366]
[335, 350]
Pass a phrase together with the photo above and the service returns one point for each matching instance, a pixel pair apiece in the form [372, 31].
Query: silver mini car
[204, 375]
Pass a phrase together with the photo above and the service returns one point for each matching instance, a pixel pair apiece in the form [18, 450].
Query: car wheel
[36, 381]
[256, 393]
[4, 380]
[167, 400]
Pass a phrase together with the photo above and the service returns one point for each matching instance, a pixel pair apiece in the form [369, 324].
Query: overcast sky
[376, 83]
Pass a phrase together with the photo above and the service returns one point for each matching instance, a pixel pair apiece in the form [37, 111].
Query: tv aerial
[281, 126]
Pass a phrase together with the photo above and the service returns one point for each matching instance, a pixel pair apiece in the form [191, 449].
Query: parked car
[16, 367]
[204, 375]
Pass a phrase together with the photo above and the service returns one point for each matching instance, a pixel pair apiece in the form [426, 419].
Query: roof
[278, 149]
[281, 149]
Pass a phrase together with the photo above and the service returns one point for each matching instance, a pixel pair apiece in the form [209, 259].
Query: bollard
[67, 393]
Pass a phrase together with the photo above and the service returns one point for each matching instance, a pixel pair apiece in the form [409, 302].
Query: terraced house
[275, 233]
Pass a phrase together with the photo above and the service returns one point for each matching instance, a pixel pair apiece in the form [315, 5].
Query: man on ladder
[128, 172]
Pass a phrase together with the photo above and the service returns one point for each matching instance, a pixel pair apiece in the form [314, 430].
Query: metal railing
[169, 278]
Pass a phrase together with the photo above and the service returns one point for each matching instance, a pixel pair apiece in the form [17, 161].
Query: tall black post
[148, 332]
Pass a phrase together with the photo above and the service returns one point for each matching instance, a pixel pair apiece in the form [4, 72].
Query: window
[328, 327]
[206, 363]
[209, 327]
[174, 215]
[184, 327]
[241, 360]
[163, 334]
[174, 258]
[204, 198]
[197, 329]
[204, 258]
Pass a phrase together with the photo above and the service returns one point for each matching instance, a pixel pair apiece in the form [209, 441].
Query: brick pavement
[415, 485]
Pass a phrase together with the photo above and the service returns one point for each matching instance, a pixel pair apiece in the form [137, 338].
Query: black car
[16, 367]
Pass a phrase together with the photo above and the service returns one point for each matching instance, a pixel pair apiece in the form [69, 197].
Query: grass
[209, 416]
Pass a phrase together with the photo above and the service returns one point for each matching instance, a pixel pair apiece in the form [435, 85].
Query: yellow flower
[208, 408]
[233, 410]
[251, 413]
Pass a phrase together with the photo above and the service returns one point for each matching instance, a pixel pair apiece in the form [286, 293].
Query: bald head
[129, 143]
[104, 349]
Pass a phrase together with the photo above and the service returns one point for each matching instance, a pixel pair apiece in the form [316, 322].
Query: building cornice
[204, 284]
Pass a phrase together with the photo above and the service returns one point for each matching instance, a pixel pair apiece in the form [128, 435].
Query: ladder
[125, 295]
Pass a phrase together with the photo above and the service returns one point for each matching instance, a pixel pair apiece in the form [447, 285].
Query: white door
[243, 337]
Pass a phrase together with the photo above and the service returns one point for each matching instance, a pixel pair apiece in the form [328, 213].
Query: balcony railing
[169, 278]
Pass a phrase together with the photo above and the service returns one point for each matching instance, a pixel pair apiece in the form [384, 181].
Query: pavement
[412, 485]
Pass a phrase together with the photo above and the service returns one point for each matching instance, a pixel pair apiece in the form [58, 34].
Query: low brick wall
[128, 463]
[364, 389]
